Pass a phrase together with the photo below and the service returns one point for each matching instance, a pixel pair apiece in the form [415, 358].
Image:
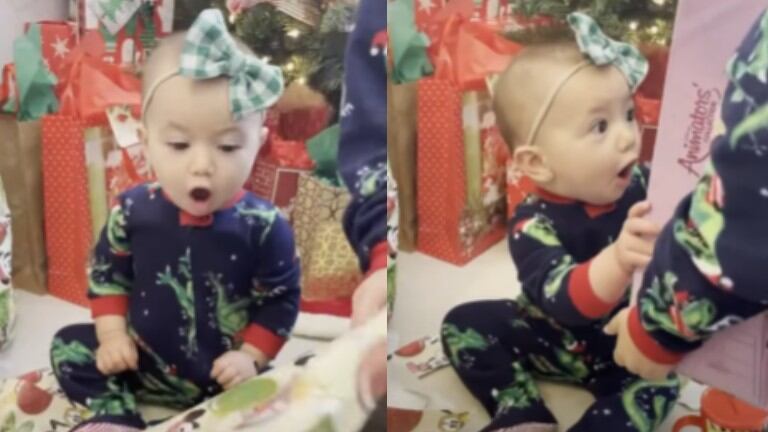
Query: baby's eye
[229, 148]
[179, 146]
[600, 127]
[631, 115]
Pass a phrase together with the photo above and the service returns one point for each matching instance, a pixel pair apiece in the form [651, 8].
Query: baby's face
[590, 138]
[201, 156]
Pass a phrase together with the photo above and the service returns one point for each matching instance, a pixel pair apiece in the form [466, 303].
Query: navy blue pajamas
[554, 329]
[191, 289]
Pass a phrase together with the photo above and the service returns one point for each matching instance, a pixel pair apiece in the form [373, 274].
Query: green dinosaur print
[756, 66]
[102, 281]
[265, 215]
[700, 236]
[168, 389]
[541, 229]
[518, 395]
[117, 400]
[545, 369]
[185, 294]
[370, 178]
[231, 316]
[116, 232]
[639, 176]
[572, 364]
[675, 312]
[662, 406]
[73, 352]
[557, 275]
[458, 341]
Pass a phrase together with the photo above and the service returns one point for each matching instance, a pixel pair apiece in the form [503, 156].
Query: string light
[633, 25]
[290, 67]
[302, 80]
[654, 30]
[295, 33]
[660, 2]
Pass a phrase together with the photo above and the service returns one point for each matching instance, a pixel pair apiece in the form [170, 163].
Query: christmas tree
[307, 53]
[638, 21]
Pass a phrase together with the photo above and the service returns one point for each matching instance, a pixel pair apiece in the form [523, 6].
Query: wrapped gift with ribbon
[75, 142]
[275, 174]
[460, 216]
[128, 29]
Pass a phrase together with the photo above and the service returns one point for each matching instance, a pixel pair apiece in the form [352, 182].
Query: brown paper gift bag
[401, 146]
[20, 167]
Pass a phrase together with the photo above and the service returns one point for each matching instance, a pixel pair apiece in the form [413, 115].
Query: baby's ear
[531, 162]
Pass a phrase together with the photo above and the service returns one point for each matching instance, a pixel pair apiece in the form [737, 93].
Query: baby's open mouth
[200, 194]
[626, 172]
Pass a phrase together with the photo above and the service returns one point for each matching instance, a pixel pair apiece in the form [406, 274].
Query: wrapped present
[7, 305]
[128, 29]
[9, 91]
[275, 174]
[488, 11]
[330, 270]
[126, 162]
[705, 38]
[21, 171]
[301, 113]
[461, 199]
[75, 142]
[648, 98]
[34, 81]
[57, 38]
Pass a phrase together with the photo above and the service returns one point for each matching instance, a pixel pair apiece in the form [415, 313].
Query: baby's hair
[520, 91]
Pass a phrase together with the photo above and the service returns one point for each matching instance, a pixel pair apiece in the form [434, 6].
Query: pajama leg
[487, 344]
[625, 402]
[73, 356]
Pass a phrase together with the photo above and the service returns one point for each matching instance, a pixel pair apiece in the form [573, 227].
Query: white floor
[428, 288]
[40, 317]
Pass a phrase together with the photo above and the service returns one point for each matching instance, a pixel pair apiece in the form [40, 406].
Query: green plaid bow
[210, 52]
[603, 50]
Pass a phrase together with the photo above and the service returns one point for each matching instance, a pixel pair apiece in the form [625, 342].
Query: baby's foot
[528, 427]
[105, 427]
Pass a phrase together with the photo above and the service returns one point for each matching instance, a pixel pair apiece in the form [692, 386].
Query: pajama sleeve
[708, 270]
[551, 279]
[363, 142]
[110, 273]
[275, 308]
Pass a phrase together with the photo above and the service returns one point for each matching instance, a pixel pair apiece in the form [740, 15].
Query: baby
[194, 283]
[566, 111]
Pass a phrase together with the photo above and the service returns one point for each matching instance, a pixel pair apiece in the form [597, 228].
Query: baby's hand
[232, 368]
[117, 354]
[634, 247]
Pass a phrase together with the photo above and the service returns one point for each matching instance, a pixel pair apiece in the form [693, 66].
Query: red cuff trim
[646, 344]
[583, 295]
[263, 339]
[109, 305]
[341, 307]
[379, 256]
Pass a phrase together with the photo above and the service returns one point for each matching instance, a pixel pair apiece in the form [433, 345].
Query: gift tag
[114, 14]
[125, 126]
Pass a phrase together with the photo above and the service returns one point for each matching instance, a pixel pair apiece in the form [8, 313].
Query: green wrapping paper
[35, 81]
[410, 61]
